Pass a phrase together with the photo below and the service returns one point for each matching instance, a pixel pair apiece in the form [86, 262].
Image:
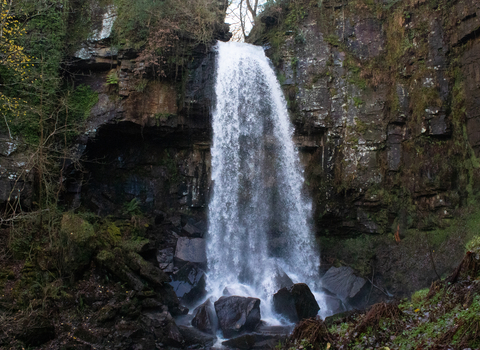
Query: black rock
[165, 259]
[162, 325]
[281, 279]
[295, 303]
[205, 318]
[256, 340]
[237, 314]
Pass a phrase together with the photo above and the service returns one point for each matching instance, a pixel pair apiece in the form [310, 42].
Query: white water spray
[259, 219]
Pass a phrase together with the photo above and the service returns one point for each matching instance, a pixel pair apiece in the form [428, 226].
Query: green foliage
[133, 207]
[80, 102]
[358, 102]
[141, 85]
[112, 78]
[136, 19]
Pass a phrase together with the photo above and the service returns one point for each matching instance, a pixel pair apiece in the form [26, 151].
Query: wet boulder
[237, 314]
[189, 284]
[295, 303]
[205, 318]
[264, 337]
[343, 282]
[245, 341]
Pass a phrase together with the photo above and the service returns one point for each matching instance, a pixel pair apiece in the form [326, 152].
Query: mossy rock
[78, 242]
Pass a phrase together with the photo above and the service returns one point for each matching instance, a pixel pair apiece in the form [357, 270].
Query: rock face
[345, 284]
[295, 303]
[237, 314]
[360, 109]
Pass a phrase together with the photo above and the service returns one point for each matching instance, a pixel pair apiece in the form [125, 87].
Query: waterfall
[259, 218]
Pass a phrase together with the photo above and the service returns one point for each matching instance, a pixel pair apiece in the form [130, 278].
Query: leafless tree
[243, 13]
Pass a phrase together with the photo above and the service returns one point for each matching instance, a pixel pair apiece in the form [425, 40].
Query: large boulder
[190, 250]
[237, 314]
[343, 282]
[204, 318]
[79, 236]
[264, 337]
[295, 303]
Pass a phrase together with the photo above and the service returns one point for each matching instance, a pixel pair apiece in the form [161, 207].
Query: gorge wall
[384, 97]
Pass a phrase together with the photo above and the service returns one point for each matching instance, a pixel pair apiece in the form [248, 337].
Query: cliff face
[384, 98]
[147, 138]
[385, 102]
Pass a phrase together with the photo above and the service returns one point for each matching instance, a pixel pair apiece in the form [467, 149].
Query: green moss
[134, 245]
[114, 233]
[105, 255]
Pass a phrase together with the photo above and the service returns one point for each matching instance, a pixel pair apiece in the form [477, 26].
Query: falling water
[259, 219]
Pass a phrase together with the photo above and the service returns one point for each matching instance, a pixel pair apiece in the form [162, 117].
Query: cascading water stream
[259, 219]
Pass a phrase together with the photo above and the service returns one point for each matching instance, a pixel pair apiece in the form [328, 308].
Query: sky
[233, 15]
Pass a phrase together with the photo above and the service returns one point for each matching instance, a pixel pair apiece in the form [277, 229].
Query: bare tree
[241, 14]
